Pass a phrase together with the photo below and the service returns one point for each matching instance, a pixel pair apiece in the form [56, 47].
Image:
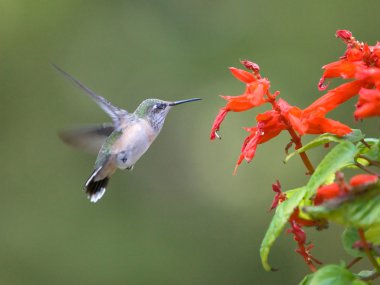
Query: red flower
[363, 179]
[279, 197]
[256, 88]
[283, 117]
[269, 125]
[304, 250]
[327, 192]
[343, 68]
[218, 120]
[368, 104]
[334, 190]
[360, 62]
[335, 97]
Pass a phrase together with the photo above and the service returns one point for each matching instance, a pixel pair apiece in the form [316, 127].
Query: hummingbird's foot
[217, 135]
[130, 167]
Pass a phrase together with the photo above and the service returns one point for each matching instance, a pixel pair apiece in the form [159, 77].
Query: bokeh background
[180, 217]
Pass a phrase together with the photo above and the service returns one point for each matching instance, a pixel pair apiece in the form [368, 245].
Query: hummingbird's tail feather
[96, 189]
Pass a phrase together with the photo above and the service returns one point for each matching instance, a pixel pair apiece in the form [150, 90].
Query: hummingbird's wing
[87, 138]
[115, 113]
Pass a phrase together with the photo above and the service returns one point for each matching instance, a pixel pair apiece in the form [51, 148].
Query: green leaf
[349, 237]
[366, 273]
[334, 275]
[338, 157]
[360, 210]
[355, 136]
[280, 218]
[373, 152]
[306, 280]
[373, 235]
[320, 140]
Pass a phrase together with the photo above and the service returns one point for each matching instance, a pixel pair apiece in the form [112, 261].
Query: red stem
[353, 262]
[368, 251]
[298, 144]
[312, 267]
[295, 138]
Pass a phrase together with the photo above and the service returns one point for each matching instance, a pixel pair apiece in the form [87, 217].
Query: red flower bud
[345, 35]
[251, 65]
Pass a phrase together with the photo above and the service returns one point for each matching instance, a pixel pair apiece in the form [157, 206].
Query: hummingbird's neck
[156, 122]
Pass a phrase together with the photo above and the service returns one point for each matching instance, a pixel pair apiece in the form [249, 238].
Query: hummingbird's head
[155, 110]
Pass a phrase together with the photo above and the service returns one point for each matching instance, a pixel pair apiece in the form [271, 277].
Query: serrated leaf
[358, 211]
[338, 157]
[280, 218]
[349, 237]
[320, 140]
[334, 275]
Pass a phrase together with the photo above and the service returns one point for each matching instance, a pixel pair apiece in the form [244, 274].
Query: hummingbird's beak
[184, 101]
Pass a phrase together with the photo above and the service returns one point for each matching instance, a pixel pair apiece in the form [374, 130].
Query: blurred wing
[87, 138]
[115, 113]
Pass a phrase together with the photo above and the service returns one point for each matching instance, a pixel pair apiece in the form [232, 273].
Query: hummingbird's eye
[159, 106]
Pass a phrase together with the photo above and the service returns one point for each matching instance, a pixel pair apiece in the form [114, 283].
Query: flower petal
[217, 122]
[243, 75]
[368, 104]
[335, 97]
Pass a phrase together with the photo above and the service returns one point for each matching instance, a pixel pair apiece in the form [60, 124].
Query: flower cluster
[361, 63]
[352, 203]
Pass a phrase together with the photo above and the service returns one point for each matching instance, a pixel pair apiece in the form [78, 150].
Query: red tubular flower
[363, 179]
[335, 97]
[326, 192]
[218, 120]
[360, 62]
[372, 76]
[269, 125]
[334, 190]
[243, 75]
[368, 104]
[342, 68]
[312, 120]
[253, 96]
[321, 125]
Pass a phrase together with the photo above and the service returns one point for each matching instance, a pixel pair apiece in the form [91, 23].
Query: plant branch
[368, 251]
[353, 262]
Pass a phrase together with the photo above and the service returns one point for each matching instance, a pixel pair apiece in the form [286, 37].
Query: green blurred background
[180, 217]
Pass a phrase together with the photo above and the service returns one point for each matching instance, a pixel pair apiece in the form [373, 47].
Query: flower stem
[298, 144]
[368, 251]
[312, 267]
[353, 262]
[295, 138]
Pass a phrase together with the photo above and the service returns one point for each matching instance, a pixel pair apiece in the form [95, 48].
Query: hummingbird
[119, 144]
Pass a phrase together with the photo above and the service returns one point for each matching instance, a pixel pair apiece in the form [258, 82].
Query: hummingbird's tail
[95, 188]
